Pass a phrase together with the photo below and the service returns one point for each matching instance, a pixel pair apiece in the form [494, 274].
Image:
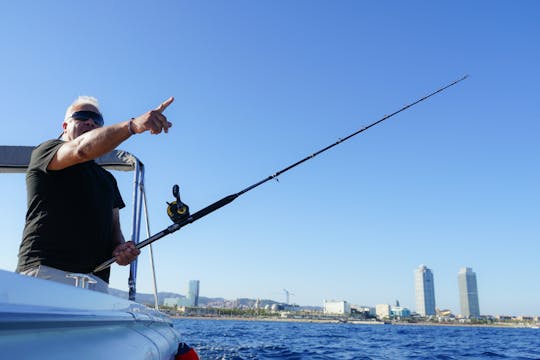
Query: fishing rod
[179, 212]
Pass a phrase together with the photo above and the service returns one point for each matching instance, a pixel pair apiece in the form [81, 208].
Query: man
[72, 221]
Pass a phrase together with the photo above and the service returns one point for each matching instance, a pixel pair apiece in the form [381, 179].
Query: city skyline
[424, 278]
[424, 282]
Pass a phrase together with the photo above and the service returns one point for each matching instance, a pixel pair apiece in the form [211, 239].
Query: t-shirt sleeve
[43, 154]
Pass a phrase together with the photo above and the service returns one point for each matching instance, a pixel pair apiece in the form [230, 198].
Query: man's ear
[64, 126]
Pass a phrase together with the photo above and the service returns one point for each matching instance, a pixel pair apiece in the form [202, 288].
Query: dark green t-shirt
[69, 218]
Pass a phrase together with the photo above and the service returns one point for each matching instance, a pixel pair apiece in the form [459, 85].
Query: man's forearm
[117, 236]
[101, 141]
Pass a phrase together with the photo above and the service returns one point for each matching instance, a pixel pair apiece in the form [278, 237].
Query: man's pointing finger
[161, 108]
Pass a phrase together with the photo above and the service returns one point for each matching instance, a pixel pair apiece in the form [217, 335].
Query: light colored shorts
[64, 277]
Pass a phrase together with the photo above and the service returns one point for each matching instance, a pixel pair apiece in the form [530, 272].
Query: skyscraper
[192, 297]
[193, 292]
[425, 291]
[468, 293]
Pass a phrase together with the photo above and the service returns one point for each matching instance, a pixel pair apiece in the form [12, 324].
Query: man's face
[74, 128]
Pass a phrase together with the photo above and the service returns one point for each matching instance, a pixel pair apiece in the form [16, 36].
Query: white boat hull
[41, 319]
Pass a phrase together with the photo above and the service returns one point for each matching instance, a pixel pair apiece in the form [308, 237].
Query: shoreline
[352, 322]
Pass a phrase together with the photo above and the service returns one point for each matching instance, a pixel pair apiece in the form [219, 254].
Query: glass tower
[425, 291]
[468, 293]
[193, 292]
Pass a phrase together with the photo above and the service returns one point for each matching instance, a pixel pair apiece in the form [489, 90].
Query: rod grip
[213, 207]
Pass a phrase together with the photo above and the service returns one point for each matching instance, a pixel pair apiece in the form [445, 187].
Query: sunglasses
[85, 115]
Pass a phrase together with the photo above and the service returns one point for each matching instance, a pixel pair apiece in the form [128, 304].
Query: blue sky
[452, 182]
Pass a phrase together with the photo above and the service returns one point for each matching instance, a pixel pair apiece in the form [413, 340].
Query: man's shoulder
[46, 145]
[43, 153]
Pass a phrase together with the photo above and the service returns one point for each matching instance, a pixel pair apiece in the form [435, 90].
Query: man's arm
[125, 252]
[101, 141]
[89, 146]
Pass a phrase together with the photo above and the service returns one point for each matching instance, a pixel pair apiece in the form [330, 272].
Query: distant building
[277, 307]
[193, 293]
[172, 302]
[337, 307]
[425, 291]
[399, 312]
[362, 310]
[382, 311]
[186, 302]
[444, 313]
[468, 293]
[191, 300]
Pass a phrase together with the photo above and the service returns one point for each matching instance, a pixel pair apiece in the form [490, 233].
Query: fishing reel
[177, 210]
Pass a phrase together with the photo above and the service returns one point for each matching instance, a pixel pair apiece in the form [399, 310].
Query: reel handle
[177, 210]
[176, 194]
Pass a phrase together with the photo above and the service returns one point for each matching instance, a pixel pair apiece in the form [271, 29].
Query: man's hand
[125, 253]
[154, 120]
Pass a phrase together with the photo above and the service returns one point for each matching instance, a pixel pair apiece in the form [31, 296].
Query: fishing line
[179, 212]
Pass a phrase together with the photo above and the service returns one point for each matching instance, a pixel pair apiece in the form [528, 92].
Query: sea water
[232, 339]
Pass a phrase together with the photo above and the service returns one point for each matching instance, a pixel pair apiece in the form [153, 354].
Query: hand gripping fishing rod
[179, 212]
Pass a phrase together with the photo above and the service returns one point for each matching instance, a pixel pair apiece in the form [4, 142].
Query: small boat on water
[43, 319]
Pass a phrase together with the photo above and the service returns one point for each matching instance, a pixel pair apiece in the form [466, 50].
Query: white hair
[90, 100]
